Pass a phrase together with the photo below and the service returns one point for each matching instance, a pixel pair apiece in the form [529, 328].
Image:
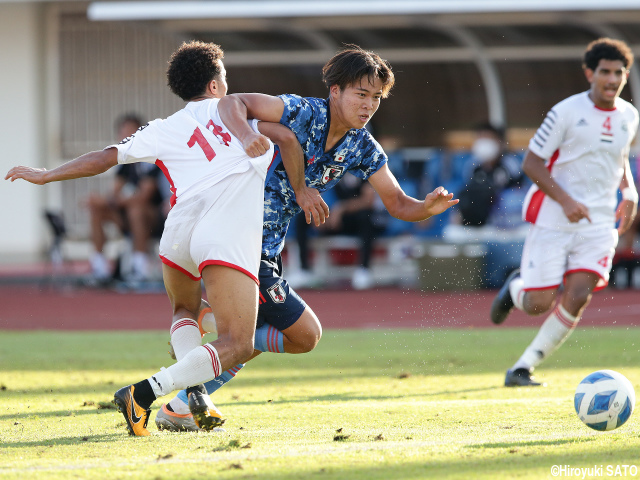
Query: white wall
[23, 233]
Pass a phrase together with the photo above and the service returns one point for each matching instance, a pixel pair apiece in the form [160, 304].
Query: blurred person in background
[355, 213]
[578, 159]
[493, 170]
[134, 205]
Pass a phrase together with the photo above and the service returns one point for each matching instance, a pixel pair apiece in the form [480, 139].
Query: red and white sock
[553, 332]
[185, 336]
[198, 366]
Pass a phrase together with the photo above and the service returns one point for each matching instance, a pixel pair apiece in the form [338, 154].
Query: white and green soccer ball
[604, 400]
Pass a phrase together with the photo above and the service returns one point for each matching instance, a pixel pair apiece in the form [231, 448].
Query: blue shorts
[280, 306]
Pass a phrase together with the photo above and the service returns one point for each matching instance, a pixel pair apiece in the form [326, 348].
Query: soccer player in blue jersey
[333, 138]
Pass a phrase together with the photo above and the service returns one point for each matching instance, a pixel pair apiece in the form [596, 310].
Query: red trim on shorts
[227, 264]
[597, 288]
[541, 288]
[169, 263]
[165, 170]
[533, 208]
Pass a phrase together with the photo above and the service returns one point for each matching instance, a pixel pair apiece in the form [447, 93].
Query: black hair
[607, 49]
[192, 66]
[349, 66]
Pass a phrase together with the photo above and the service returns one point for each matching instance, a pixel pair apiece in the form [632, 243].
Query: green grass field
[364, 405]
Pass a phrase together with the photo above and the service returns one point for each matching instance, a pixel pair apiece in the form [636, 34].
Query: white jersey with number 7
[193, 148]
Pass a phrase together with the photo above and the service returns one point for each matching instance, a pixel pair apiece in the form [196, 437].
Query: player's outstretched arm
[87, 165]
[402, 206]
[237, 108]
[309, 199]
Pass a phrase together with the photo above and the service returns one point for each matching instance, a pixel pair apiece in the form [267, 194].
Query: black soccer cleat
[521, 377]
[503, 304]
[205, 414]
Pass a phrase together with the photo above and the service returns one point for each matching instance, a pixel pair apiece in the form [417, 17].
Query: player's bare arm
[87, 165]
[402, 206]
[628, 206]
[309, 199]
[534, 167]
[237, 108]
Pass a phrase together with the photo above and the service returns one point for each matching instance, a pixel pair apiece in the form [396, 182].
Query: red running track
[30, 307]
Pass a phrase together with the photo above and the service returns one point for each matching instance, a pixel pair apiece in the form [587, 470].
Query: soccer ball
[604, 400]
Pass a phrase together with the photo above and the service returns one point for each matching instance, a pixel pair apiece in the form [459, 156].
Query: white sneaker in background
[362, 279]
[100, 268]
[302, 279]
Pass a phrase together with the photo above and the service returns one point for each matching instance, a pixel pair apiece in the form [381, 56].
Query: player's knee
[537, 305]
[308, 340]
[578, 296]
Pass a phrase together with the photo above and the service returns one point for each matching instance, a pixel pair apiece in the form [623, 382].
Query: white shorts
[219, 226]
[549, 255]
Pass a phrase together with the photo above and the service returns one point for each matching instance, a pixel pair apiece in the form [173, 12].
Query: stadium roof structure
[485, 33]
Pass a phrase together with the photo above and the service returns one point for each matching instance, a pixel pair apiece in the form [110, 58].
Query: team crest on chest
[277, 293]
[331, 172]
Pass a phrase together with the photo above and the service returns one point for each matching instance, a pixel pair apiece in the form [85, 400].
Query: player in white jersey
[213, 232]
[578, 159]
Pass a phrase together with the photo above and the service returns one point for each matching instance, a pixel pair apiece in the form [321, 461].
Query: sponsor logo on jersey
[331, 173]
[582, 123]
[277, 293]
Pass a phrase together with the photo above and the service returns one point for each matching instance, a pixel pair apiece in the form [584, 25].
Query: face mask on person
[485, 149]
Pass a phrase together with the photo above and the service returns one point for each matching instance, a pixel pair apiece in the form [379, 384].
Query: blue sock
[215, 384]
[269, 339]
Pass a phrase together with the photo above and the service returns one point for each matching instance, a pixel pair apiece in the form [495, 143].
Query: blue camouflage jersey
[357, 152]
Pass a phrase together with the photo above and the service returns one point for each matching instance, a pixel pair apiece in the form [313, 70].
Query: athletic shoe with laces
[503, 304]
[175, 422]
[135, 416]
[521, 377]
[205, 414]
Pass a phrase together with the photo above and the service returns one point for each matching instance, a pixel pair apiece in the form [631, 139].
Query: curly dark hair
[351, 64]
[607, 49]
[192, 66]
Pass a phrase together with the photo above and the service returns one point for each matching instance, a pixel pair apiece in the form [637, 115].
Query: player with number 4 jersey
[578, 160]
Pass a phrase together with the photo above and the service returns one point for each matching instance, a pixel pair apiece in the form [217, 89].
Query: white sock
[553, 332]
[178, 406]
[516, 289]
[198, 366]
[162, 383]
[206, 320]
[185, 336]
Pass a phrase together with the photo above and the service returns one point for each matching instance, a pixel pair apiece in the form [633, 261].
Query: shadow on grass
[67, 441]
[29, 414]
[533, 443]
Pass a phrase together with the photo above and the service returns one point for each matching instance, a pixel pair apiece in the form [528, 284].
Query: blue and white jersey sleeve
[142, 146]
[551, 133]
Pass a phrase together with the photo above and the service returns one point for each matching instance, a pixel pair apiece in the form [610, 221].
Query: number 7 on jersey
[198, 138]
